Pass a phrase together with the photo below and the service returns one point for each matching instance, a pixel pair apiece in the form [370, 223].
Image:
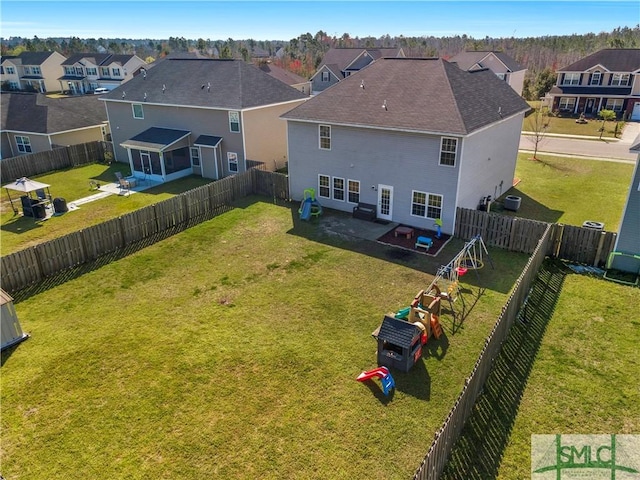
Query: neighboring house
[290, 78]
[33, 71]
[607, 79]
[627, 247]
[207, 117]
[9, 78]
[416, 137]
[85, 72]
[339, 63]
[33, 122]
[505, 67]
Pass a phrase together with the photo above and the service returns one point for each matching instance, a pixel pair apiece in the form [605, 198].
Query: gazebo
[35, 197]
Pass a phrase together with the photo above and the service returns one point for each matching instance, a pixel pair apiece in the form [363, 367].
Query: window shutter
[589, 81]
[580, 81]
[610, 78]
[630, 80]
[562, 79]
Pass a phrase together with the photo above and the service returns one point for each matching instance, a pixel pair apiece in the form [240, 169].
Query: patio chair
[123, 183]
[42, 195]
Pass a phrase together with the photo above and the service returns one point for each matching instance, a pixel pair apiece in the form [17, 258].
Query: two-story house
[85, 72]
[290, 78]
[207, 117]
[33, 122]
[339, 63]
[607, 79]
[33, 71]
[418, 137]
[505, 67]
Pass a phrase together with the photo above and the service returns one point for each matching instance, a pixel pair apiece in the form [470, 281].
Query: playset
[310, 206]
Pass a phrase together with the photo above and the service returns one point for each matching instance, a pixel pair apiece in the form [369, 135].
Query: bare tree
[537, 124]
[605, 115]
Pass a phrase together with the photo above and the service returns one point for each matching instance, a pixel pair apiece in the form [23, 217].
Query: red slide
[379, 372]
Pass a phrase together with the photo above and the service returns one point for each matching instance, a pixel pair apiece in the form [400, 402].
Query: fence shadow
[478, 452]
[529, 208]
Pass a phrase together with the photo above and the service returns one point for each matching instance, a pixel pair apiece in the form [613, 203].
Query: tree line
[302, 55]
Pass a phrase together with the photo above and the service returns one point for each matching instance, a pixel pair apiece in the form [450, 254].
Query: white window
[138, 112]
[27, 70]
[324, 190]
[448, 147]
[338, 189]
[427, 205]
[104, 71]
[232, 160]
[354, 191]
[325, 137]
[79, 71]
[69, 70]
[324, 76]
[24, 144]
[11, 71]
[614, 104]
[36, 71]
[92, 71]
[195, 156]
[571, 79]
[620, 79]
[595, 78]
[567, 103]
[13, 85]
[116, 72]
[234, 122]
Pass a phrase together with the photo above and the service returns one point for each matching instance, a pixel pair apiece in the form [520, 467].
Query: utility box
[511, 202]
[399, 344]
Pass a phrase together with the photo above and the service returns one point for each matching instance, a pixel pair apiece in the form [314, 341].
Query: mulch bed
[410, 243]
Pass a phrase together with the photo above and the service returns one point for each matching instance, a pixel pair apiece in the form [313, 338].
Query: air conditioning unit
[593, 225]
[511, 202]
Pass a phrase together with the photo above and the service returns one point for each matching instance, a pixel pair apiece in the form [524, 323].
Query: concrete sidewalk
[629, 134]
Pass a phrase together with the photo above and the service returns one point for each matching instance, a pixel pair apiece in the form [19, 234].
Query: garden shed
[9, 324]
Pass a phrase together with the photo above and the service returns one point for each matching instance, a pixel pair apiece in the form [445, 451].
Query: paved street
[604, 149]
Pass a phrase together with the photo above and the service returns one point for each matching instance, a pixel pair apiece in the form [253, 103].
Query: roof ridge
[453, 94]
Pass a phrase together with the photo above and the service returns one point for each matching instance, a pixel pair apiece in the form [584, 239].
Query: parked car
[100, 90]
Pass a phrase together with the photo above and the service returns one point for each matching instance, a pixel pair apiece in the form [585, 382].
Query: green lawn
[568, 126]
[570, 191]
[231, 351]
[18, 232]
[570, 367]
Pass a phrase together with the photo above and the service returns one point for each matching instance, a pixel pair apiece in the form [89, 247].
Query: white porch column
[164, 174]
[599, 105]
[130, 160]
[215, 161]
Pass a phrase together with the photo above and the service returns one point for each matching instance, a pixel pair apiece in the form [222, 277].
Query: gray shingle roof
[342, 57]
[33, 58]
[429, 95]
[94, 58]
[466, 60]
[397, 331]
[215, 83]
[281, 74]
[32, 112]
[156, 138]
[613, 59]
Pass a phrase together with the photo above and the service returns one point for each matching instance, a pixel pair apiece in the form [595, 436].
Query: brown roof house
[207, 117]
[505, 67]
[33, 122]
[339, 63]
[415, 137]
[285, 76]
[607, 79]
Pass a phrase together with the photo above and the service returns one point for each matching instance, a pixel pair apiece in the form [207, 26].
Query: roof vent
[163, 87]
[145, 96]
[362, 84]
[384, 105]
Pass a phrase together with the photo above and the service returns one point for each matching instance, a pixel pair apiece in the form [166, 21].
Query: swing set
[447, 279]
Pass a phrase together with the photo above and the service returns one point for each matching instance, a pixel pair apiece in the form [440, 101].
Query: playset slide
[305, 209]
[383, 374]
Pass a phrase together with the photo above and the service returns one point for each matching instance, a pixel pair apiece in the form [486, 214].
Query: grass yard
[18, 232]
[231, 351]
[570, 191]
[572, 368]
[568, 126]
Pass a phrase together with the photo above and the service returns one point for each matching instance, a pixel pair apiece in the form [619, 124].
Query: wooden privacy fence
[575, 244]
[435, 460]
[34, 264]
[60, 158]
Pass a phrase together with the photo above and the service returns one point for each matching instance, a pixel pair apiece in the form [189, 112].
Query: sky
[284, 20]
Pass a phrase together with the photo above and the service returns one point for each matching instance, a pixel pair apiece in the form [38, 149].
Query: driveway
[605, 149]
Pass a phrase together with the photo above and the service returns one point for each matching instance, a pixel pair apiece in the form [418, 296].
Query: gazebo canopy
[25, 185]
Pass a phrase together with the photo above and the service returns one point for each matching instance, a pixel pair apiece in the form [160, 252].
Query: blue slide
[305, 209]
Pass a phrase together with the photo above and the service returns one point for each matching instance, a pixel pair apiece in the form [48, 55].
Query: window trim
[573, 76]
[349, 191]
[195, 157]
[613, 102]
[23, 143]
[593, 76]
[322, 76]
[620, 77]
[234, 113]
[327, 186]
[133, 108]
[326, 138]
[455, 152]
[232, 159]
[334, 189]
[427, 204]
[573, 104]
